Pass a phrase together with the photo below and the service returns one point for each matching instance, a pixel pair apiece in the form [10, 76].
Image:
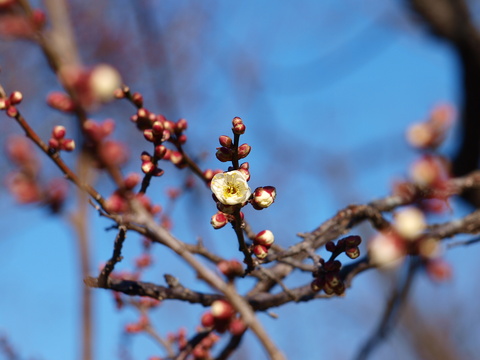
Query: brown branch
[231, 346]
[116, 257]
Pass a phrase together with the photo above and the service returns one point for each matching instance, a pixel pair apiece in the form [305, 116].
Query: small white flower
[231, 188]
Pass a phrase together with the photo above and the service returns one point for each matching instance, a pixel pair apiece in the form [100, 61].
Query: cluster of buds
[16, 23]
[431, 133]
[407, 237]
[58, 141]
[200, 352]
[261, 243]
[157, 130]
[221, 318]
[119, 201]
[8, 103]
[229, 150]
[24, 183]
[327, 276]
[91, 86]
[139, 326]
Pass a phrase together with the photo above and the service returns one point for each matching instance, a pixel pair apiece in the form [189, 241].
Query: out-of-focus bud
[113, 153]
[60, 101]
[148, 167]
[4, 103]
[420, 135]
[157, 128]
[260, 251]
[237, 327]
[428, 171]
[181, 126]
[409, 222]
[137, 99]
[219, 220]
[116, 204]
[222, 310]
[16, 97]
[59, 132]
[225, 141]
[230, 268]
[265, 238]
[67, 145]
[207, 320]
[131, 181]
[386, 250]
[244, 150]
[12, 111]
[160, 151]
[263, 197]
[439, 270]
[143, 261]
[224, 154]
[103, 81]
[330, 246]
[318, 284]
[177, 159]
[429, 248]
[148, 135]
[239, 129]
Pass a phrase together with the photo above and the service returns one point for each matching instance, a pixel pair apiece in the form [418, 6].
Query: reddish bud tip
[225, 141]
[260, 251]
[264, 238]
[244, 150]
[59, 132]
[239, 129]
[16, 97]
[222, 310]
[219, 220]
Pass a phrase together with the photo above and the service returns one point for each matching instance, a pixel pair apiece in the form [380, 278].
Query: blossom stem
[236, 140]
[242, 246]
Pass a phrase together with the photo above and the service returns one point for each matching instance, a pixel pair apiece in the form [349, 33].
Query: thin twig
[116, 257]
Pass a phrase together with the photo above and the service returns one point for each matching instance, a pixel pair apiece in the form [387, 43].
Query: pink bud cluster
[119, 201]
[431, 133]
[229, 149]
[158, 130]
[58, 141]
[8, 104]
[91, 86]
[327, 276]
[231, 268]
[201, 351]
[24, 183]
[221, 318]
[261, 243]
[16, 23]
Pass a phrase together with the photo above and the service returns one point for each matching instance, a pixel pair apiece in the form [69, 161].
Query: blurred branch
[451, 20]
[391, 312]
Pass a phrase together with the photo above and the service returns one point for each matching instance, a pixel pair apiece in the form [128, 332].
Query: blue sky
[326, 89]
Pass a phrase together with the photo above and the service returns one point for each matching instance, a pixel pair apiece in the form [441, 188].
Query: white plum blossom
[231, 188]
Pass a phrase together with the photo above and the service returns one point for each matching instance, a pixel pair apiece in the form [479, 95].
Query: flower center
[230, 190]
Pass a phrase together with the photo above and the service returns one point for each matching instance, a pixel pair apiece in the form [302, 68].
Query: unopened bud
[237, 327]
[219, 220]
[222, 310]
[181, 125]
[12, 111]
[16, 97]
[207, 320]
[148, 167]
[68, 144]
[244, 150]
[352, 252]
[224, 154]
[59, 132]
[160, 151]
[225, 141]
[131, 181]
[148, 135]
[239, 129]
[236, 120]
[137, 99]
[260, 251]
[60, 101]
[264, 238]
[263, 197]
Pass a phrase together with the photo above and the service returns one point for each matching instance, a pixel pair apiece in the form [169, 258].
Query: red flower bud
[207, 320]
[219, 220]
[239, 129]
[264, 238]
[236, 120]
[225, 141]
[137, 99]
[260, 251]
[222, 310]
[160, 151]
[263, 197]
[148, 135]
[60, 101]
[59, 132]
[224, 154]
[16, 97]
[244, 150]
[67, 145]
[181, 126]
